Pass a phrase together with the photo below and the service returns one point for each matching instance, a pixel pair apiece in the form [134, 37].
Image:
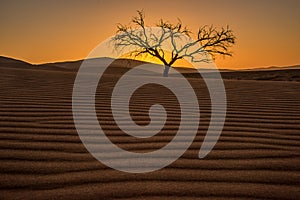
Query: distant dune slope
[42, 157]
[287, 73]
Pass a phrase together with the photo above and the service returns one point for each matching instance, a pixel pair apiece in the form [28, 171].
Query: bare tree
[208, 42]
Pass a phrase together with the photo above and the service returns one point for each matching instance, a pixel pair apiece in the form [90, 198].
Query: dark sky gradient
[45, 31]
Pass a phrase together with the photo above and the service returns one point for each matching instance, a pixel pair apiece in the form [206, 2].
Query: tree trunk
[166, 71]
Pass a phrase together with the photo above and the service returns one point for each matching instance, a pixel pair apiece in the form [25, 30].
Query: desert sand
[42, 156]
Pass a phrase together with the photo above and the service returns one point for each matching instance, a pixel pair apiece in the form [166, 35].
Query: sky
[267, 31]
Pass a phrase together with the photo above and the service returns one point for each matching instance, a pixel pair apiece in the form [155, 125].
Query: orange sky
[46, 31]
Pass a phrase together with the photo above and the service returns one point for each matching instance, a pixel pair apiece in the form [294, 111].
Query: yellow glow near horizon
[151, 59]
[43, 31]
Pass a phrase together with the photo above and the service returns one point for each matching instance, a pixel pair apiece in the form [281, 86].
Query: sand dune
[42, 157]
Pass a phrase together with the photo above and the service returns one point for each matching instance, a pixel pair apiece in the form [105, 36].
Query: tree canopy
[202, 47]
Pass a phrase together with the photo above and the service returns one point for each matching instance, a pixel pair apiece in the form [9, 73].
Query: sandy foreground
[42, 156]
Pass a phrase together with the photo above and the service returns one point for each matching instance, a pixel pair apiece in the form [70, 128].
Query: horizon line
[78, 60]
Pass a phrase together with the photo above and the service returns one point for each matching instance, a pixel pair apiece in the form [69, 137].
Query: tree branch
[209, 40]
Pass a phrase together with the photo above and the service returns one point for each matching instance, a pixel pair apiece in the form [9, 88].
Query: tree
[208, 43]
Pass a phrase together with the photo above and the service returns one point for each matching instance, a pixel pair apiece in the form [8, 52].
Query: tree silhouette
[208, 43]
